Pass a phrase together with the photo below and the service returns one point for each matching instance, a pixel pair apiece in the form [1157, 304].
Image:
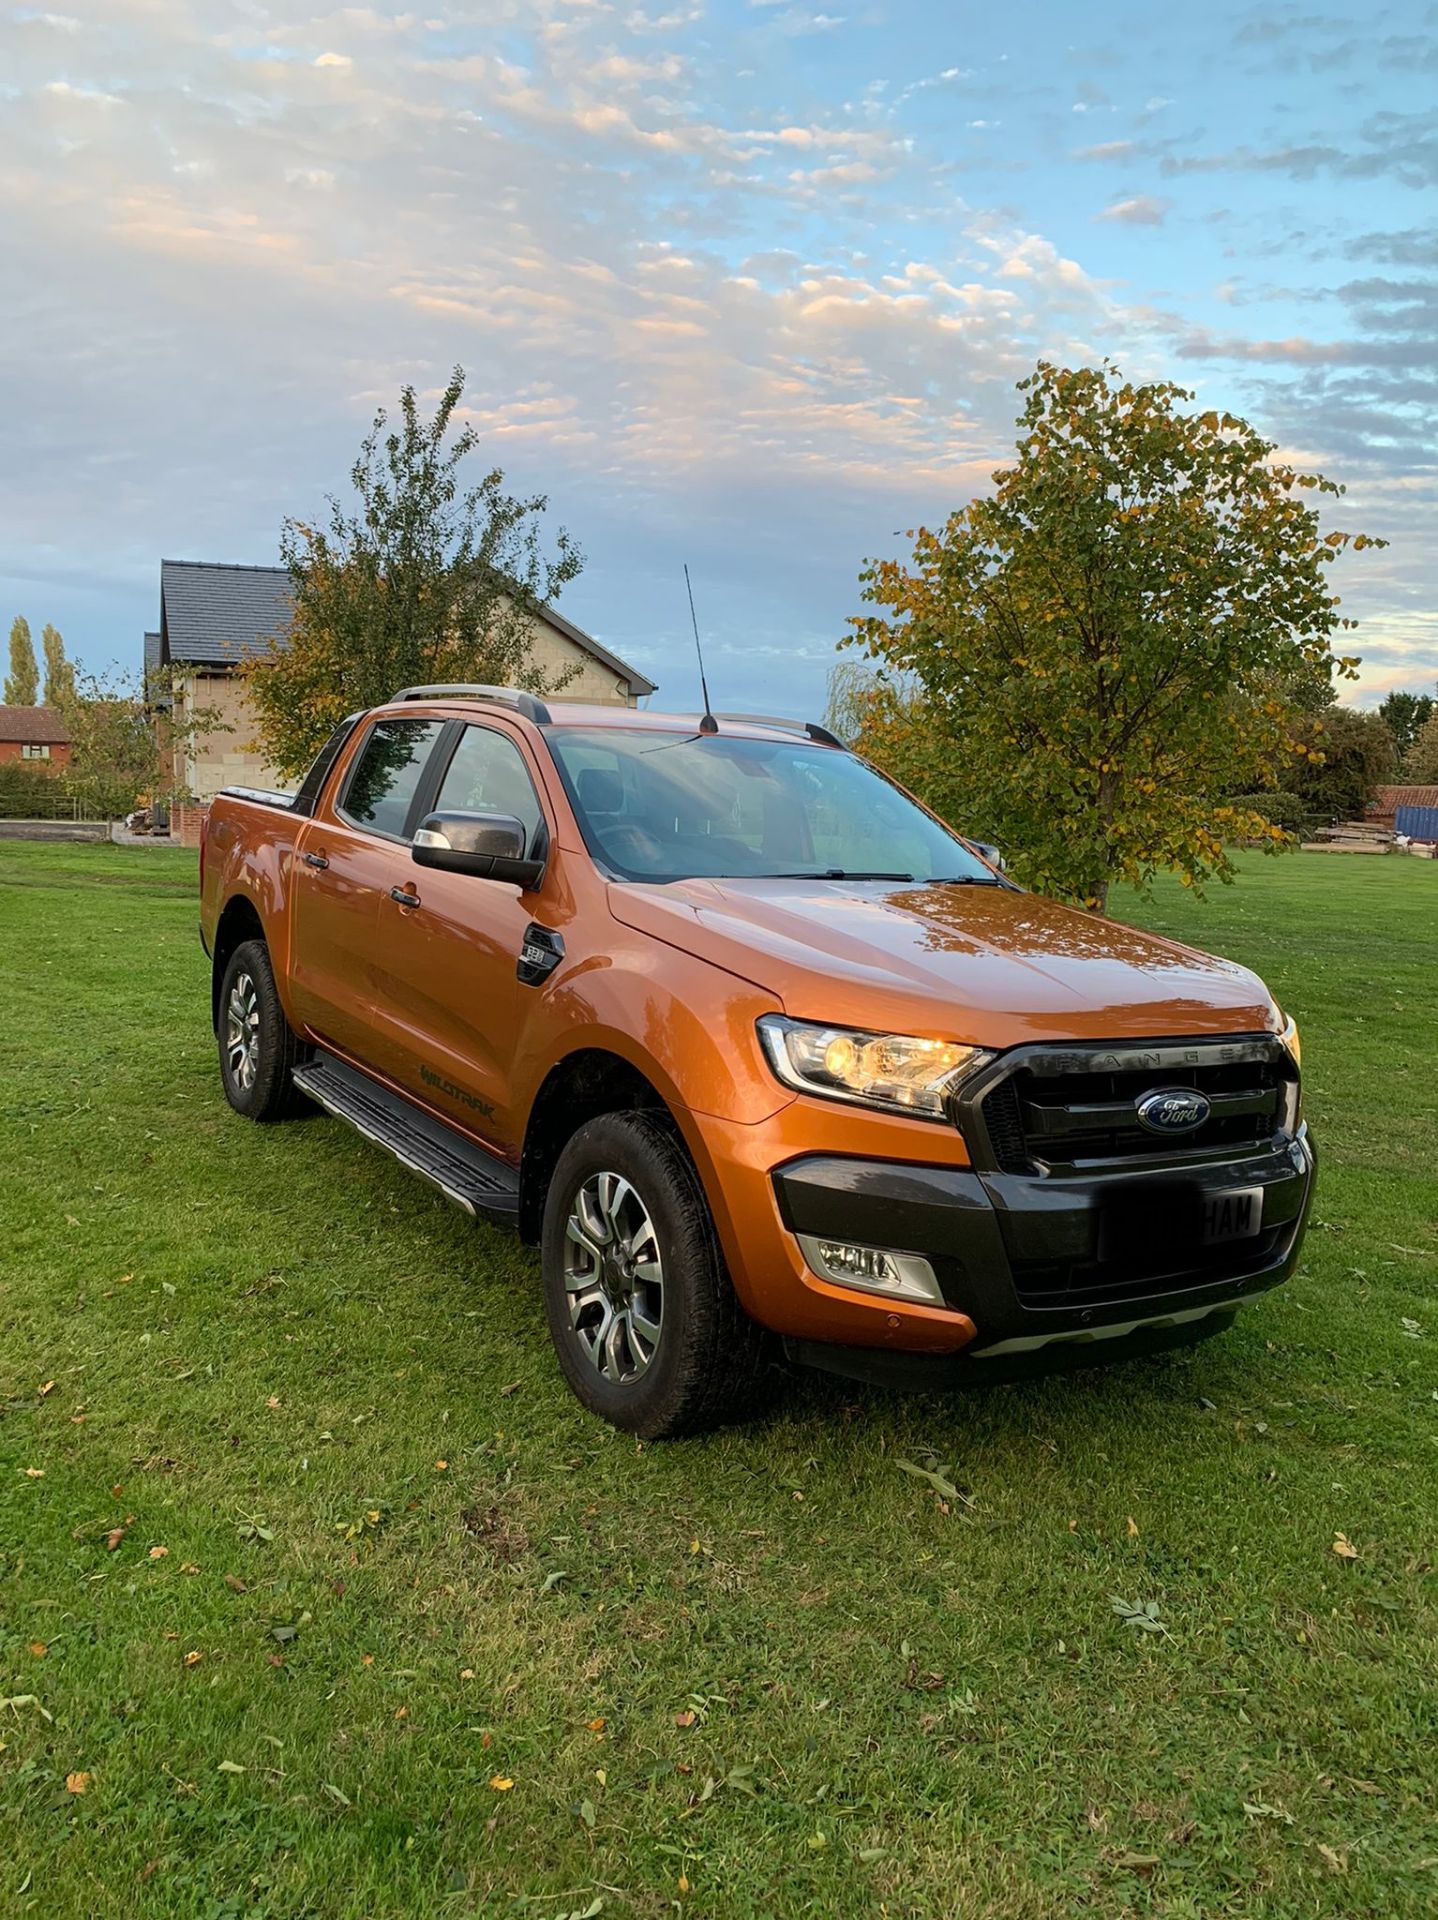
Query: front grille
[1076, 1110]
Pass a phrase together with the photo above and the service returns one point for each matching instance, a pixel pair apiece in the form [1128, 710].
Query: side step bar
[475, 1180]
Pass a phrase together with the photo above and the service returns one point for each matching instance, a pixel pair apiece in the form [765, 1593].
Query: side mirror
[491, 846]
[990, 853]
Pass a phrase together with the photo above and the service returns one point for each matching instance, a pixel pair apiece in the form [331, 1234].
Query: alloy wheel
[242, 1032]
[613, 1278]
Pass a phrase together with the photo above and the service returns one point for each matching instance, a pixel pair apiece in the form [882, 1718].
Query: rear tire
[258, 1048]
[644, 1318]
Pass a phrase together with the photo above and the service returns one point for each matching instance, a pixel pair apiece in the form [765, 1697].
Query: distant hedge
[28, 791]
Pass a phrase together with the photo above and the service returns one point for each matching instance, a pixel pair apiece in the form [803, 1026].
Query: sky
[742, 283]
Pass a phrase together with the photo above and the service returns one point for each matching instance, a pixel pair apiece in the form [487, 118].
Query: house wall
[555, 651]
[59, 754]
[217, 758]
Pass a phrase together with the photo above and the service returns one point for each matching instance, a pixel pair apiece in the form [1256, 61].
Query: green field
[306, 1556]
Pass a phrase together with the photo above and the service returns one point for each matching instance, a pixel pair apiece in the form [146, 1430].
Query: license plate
[1236, 1214]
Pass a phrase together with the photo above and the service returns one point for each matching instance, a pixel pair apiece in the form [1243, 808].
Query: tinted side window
[488, 775]
[385, 776]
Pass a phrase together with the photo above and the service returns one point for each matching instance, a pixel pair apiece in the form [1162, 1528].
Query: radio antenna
[708, 724]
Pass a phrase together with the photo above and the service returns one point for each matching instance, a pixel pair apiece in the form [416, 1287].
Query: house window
[34, 750]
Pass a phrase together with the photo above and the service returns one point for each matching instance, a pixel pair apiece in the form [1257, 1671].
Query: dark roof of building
[152, 653]
[217, 614]
[33, 726]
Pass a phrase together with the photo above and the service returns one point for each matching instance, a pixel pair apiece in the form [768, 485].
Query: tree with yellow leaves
[1127, 630]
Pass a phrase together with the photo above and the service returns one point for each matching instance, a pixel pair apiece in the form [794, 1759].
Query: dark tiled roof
[33, 726]
[214, 615]
[152, 653]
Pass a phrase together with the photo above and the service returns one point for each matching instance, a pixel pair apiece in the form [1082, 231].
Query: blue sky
[746, 283]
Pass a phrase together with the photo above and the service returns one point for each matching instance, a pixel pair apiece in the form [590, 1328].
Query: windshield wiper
[964, 880]
[834, 873]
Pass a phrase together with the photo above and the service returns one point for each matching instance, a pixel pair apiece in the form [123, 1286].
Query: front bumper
[1031, 1260]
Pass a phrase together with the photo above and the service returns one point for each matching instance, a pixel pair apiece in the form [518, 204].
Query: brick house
[36, 735]
[215, 616]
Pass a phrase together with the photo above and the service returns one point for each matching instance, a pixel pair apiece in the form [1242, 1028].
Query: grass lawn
[319, 1595]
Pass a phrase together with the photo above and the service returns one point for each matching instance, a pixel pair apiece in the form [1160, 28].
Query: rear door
[447, 997]
[347, 858]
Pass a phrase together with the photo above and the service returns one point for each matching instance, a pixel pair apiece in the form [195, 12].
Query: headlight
[885, 1070]
[1289, 1037]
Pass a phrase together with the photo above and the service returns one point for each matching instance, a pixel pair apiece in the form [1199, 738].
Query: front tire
[642, 1313]
[258, 1047]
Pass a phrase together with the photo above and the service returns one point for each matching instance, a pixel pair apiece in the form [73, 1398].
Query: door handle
[316, 860]
[402, 897]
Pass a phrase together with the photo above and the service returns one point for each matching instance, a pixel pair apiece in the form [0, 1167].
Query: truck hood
[988, 965]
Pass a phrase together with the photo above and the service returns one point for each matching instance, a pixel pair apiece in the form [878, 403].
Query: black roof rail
[821, 735]
[529, 704]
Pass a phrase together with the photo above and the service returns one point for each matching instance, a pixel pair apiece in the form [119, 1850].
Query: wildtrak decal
[452, 1092]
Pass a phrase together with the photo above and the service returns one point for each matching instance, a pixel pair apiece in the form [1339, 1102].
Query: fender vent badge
[540, 953]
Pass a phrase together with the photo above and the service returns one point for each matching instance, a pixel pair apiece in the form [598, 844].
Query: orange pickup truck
[768, 1061]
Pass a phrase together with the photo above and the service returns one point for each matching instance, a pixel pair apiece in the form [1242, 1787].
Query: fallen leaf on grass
[39, 1649]
[685, 1719]
[113, 1538]
[1132, 1528]
[49, 1387]
[937, 1477]
[1142, 1614]
[441, 1466]
[34, 1473]
[1335, 1861]
[1344, 1547]
[18, 1700]
[597, 1724]
[466, 1673]
[500, 1782]
[1260, 1810]
[235, 1583]
[158, 1553]
[273, 1400]
[193, 1657]
[76, 1782]
[229, 1766]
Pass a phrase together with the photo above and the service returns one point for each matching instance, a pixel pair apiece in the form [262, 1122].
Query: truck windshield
[663, 806]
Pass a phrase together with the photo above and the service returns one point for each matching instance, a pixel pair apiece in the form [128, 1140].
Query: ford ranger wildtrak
[768, 1061]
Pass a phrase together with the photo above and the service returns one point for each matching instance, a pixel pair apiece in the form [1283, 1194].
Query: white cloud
[1140, 210]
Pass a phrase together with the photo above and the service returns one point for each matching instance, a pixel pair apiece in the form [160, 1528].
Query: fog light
[875, 1269]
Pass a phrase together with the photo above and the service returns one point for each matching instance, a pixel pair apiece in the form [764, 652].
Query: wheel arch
[585, 1083]
[239, 921]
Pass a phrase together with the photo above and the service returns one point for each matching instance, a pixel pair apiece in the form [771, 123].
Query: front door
[346, 860]
[447, 997]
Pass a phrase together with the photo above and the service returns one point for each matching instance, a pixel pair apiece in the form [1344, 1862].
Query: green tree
[128, 735]
[1421, 765]
[423, 578]
[22, 683]
[1406, 715]
[59, 672]
[1350, 756]
[1118, 636]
